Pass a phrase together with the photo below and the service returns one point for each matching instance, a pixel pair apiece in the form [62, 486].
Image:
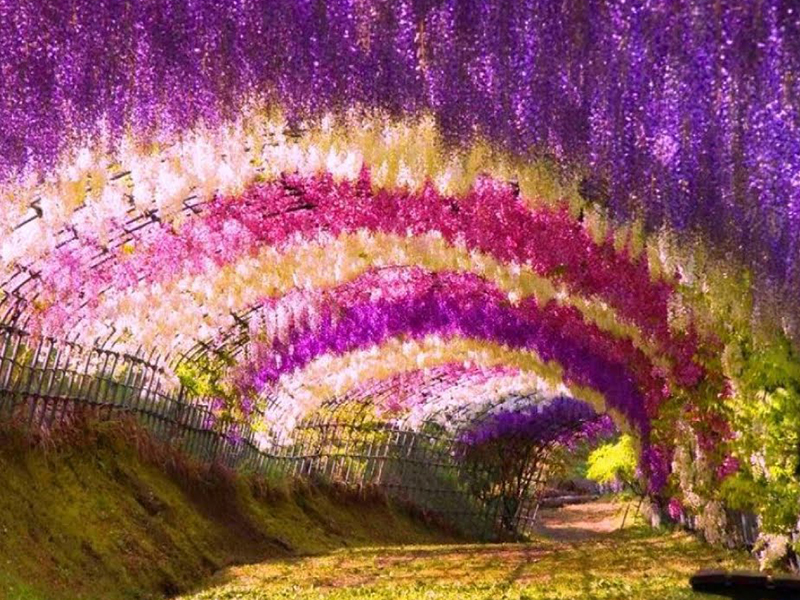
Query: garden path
[581, 522]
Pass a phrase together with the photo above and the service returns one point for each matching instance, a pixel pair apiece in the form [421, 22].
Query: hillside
[103, 511]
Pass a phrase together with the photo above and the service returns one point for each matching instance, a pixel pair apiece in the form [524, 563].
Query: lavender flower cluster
[684, 112]
[563, 421]
[446, 313]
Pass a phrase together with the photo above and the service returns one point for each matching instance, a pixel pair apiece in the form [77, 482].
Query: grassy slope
[92, 517]
[636, 563]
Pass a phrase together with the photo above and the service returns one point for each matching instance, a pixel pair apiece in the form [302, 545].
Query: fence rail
[741, 528]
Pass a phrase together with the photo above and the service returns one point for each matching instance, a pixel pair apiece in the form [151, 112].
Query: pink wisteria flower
[728, 466]
[675, 509]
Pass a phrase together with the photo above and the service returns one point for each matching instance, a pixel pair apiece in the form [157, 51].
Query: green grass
[636, 563]
[12, 588]
[106, 514]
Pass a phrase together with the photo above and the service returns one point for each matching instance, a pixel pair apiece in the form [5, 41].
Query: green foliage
[201, 379]
[615, 461]
[568, 463]
[765, 413]
[740, 492]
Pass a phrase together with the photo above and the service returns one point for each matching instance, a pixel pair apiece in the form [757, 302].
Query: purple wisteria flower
[687, 113]
[562, 420]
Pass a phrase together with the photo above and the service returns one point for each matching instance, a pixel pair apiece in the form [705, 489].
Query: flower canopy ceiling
[441, 203]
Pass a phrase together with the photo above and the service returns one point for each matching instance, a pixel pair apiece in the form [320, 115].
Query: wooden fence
[43, 382]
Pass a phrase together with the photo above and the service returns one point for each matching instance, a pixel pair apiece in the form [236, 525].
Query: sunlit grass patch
[635, 563]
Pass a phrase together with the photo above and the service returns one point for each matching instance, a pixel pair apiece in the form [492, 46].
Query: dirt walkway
[581, 522]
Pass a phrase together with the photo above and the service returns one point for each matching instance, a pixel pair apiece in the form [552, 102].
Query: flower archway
[280, 203]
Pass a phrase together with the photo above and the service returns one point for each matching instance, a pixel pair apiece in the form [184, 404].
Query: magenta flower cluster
[490, 219]
[367, 312]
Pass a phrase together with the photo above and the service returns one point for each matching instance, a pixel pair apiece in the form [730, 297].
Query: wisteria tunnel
[403, 243]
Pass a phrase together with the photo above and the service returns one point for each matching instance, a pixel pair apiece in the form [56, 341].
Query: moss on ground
[106, 513]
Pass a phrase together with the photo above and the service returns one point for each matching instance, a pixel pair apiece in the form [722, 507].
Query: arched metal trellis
[45, 382]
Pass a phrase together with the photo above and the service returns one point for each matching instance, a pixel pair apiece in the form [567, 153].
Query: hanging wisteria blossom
[561, 220]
